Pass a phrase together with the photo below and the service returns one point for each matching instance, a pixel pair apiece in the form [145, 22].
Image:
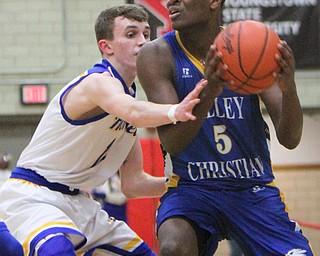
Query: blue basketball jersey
[225, 172]
[231, 150]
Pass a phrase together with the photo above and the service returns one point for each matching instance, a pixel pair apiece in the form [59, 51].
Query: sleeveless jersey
[79, 154]
[231, 150]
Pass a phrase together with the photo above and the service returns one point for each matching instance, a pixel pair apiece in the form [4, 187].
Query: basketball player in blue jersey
[220, 182]
[88, 133]
[9, 246]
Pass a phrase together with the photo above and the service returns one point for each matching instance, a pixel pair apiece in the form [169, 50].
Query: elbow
[290, 138]
[132, 119]
[171, 139]
[174, 147]
[170, 144]
[128, 191]
[135, 119]
[290, 146]
[173, 150]
[129, 195]
[290, 143]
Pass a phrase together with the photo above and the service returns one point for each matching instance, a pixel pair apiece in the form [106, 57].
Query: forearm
[169, 133]
[145, 186]
[147, 114]
[291, 121]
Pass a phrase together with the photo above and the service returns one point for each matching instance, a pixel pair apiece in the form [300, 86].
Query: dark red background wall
[141, 213]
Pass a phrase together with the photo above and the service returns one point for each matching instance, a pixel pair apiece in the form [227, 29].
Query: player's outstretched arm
[107, 93]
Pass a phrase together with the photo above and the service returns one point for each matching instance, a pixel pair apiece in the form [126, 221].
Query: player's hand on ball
[250, 58]
[213, 71]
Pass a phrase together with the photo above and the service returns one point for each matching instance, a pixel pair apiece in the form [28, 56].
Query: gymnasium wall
[53, 41]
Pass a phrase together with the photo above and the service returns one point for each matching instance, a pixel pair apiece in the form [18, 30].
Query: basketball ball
[248, 48]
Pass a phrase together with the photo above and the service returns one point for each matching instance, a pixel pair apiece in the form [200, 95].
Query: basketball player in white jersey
[87, 134]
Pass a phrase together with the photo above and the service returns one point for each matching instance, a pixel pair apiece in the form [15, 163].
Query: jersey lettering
[103, 155]
[231, 108]
[120, 125]
[237, 168]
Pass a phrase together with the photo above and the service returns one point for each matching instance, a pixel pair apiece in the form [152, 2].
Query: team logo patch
[297, 252]
[186, 73]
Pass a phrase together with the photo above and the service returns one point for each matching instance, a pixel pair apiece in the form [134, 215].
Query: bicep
[155, 73]
[108, 94]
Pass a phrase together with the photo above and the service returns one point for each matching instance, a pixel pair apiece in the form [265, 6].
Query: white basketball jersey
[80, 154]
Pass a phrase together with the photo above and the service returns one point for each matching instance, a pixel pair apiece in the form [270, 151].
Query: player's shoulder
[99, 77]
[98, 81]
[157, 47]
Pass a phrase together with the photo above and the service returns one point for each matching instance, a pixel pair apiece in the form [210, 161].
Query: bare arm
[156, 72]
[108, 94]
[101, 91]
[282, 102]
[135, 182]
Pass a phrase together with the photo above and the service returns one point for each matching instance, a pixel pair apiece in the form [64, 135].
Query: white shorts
[33, 212]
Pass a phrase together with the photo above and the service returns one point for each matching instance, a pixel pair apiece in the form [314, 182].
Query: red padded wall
[141, 213]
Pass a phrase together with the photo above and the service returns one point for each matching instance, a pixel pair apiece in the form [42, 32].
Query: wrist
[171, 113]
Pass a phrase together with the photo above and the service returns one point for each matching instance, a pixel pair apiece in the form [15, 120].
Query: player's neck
[127, 73]
[198, 48]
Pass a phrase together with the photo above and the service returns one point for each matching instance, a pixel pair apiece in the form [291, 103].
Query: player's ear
[105, 46]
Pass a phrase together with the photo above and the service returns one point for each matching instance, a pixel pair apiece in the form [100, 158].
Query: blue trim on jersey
[104, 66]
[115, 74]
[32, 176]
[230, 150]
[55, 230]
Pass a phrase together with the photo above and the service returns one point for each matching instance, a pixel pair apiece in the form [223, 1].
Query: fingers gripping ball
[248, 48]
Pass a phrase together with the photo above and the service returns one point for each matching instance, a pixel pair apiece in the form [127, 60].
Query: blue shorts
[255, 217]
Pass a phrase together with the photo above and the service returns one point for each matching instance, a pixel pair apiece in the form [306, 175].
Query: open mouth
[173, 12]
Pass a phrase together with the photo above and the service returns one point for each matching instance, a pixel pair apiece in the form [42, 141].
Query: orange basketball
[248, 48]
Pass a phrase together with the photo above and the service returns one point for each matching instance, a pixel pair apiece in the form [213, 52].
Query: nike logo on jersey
[297, 252]
[256, 189]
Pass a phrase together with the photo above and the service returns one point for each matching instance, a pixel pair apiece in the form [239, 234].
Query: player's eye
[146, 35]
[130, 34]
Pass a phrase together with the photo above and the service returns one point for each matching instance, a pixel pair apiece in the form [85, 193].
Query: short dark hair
[105, 21]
